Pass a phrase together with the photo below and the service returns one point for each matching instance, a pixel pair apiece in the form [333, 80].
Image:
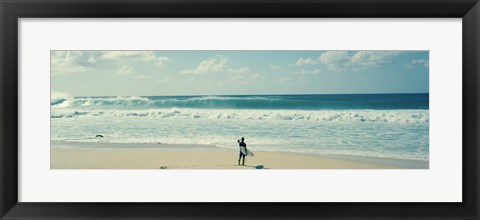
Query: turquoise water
[282, 102]
[374, 125]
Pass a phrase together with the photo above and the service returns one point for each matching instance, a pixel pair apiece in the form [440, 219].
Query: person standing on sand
[242, 144]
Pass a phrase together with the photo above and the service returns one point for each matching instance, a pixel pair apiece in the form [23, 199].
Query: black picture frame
[12, 10]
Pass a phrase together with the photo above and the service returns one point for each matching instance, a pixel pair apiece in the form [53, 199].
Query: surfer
[242, 144]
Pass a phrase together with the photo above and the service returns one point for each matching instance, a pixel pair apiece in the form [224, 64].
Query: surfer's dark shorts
[241, 154]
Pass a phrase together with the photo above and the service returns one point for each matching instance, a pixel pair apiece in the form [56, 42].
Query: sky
[165, 73]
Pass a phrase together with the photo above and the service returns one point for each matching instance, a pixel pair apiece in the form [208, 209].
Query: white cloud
[334, 57]
[214, 65]
[275, 67]
[307, 72]
[239, 70]
[341, 61]
[124, 70]
[304, 61]
[336, 61]
[160, 61]
[415, 62]
[92, 60]
[373, 59]
[143, 56]
[136, 55]
[420, 61]
[63, 62]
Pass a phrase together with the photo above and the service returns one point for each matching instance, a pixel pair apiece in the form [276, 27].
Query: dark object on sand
[99, 136]
[163, 167]
[259, 167]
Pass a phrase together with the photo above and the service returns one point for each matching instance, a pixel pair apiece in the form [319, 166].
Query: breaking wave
[297, 102]
[396, 116]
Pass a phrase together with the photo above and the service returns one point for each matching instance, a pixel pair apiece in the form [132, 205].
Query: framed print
[311, 109]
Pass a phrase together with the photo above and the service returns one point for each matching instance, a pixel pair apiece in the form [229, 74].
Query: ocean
[371, 125]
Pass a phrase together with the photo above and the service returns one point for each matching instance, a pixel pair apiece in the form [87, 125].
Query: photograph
[239, 109]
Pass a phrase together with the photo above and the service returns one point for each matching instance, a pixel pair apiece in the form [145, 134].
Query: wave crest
[299, 102]
[392, 116]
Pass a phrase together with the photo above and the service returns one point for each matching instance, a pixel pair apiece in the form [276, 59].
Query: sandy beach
[70, 155]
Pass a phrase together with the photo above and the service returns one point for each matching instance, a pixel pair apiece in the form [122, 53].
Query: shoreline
[98, 155]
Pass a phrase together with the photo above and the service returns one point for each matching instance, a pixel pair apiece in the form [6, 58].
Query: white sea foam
[392, 116]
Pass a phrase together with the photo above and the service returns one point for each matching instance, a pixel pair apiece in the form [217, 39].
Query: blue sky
[144, 73]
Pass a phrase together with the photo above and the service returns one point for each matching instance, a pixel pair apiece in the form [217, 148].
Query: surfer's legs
[240, 158]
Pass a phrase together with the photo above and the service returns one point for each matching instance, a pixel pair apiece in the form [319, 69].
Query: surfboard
[249, 152]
